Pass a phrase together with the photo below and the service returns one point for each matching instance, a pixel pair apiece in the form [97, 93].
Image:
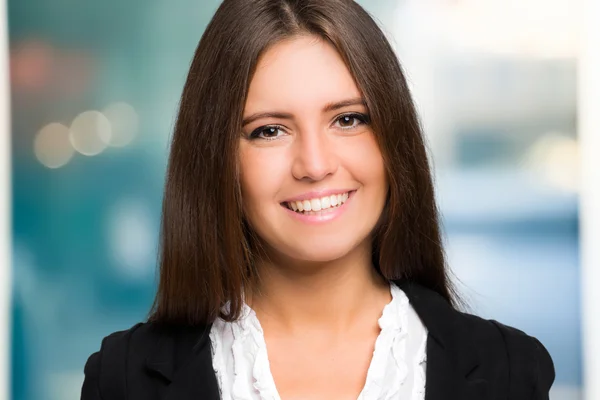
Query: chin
[322, 252]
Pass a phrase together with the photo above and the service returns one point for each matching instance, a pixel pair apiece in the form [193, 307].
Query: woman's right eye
[270, 132]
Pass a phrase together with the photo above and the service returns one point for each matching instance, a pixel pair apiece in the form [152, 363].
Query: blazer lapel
[184, 361]
[454, 368]
[446, 378]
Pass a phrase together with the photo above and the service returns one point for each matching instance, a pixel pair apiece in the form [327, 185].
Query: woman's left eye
[349, 121]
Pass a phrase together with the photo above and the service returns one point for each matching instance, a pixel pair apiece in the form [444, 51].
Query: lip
[322, 216]
[317, 194]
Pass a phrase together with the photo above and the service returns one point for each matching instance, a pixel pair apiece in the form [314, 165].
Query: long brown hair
[206, 257]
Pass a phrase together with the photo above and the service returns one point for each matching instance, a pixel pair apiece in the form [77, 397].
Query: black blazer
[468, 358]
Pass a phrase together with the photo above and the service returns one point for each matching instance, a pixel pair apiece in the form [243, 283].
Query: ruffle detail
[420, 371]
[388, 369]
[242, 368]
[218, 358]
[243, 372]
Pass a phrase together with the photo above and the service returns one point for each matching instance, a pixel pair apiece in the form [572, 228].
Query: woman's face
[307, 145]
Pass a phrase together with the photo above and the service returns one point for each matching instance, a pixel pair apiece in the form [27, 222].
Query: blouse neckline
[387, 372]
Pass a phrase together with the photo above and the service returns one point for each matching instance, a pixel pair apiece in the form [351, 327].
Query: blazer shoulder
[530, 366]
[105, 371]
[530, 362]
[126, 358]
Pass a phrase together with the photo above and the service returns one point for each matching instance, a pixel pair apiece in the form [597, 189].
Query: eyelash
[362, 120]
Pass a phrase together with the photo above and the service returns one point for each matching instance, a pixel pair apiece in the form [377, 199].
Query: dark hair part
[206, 257]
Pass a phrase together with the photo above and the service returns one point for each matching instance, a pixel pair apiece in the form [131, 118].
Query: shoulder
[529, 360]
[108, 365]
[117, 346]
[125, 357]
[508, 354]
[529, 367]
[106, 370]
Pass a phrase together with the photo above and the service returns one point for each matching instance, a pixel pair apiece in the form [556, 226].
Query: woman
[301, 254]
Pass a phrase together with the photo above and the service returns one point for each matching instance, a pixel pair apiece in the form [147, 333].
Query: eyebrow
[328, 108]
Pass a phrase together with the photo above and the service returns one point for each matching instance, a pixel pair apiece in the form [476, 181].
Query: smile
[318, 204]
[319, 210]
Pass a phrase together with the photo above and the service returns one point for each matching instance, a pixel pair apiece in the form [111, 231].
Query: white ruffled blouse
[396, 372]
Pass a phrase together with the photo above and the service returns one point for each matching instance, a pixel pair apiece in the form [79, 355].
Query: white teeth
[307, 205]
[318, 204]
[315, 205]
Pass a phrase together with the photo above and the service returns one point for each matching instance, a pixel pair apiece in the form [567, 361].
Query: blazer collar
[182, 356]
[454, 367]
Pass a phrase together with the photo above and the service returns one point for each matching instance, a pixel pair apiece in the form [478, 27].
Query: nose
[314, 157]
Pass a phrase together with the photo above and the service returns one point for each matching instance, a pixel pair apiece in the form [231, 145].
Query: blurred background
[94, 93]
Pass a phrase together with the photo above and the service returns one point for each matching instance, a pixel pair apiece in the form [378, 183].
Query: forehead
[302, 72]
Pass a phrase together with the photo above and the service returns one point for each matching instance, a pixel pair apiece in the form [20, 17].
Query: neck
[332, 296]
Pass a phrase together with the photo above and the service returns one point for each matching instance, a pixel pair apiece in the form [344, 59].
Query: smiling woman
[316, 143]
[300, 249]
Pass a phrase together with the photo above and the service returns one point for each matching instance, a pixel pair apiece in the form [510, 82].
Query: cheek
[367, 163]
[260, 178]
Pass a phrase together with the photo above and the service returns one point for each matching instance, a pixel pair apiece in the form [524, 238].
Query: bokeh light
[52, 146]
[556, 157]
[31, 64]
[131, 238]
[124, 121]
[90, 132]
